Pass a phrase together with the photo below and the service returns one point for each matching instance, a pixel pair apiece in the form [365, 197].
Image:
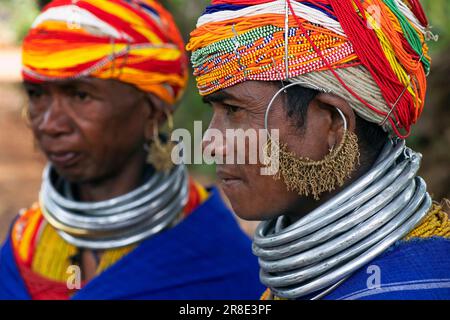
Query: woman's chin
[75, 174]
[250, 212]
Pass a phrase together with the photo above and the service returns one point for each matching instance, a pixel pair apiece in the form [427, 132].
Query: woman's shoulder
[416, 267]
[24, 232]
[435, 224]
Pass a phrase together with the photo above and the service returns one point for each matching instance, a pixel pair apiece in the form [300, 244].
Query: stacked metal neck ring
[119, 221]
[342, 235]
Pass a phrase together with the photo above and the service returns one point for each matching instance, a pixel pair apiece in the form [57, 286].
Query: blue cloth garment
[206, 256]
[411, 270]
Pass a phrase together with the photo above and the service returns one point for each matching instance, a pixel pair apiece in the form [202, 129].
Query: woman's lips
[227, 180]
[63, 159]
[230, 181]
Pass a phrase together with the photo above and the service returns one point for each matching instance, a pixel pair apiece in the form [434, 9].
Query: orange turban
[136, 42]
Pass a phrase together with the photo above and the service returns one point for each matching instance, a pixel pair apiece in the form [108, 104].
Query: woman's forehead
[247, 91]
[86, 82]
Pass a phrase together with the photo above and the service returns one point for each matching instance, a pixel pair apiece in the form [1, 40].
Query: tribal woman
[115, 219]
[345, 215]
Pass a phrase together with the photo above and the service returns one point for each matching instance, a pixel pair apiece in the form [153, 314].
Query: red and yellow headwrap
[370, 52]
[135, 42]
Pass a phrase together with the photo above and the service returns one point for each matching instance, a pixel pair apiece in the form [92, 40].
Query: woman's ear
[156, 115]
[331, 103]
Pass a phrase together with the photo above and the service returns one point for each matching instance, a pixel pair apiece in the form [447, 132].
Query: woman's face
[254, 196]
[89, 129]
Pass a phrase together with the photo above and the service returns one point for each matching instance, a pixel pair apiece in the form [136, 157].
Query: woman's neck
[114, 185]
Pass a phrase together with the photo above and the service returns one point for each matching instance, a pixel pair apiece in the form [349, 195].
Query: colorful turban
[370, 52]
[136, 42]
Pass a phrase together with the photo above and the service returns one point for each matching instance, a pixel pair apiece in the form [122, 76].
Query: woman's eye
[81, 95]
[34, 93]
[231, 109]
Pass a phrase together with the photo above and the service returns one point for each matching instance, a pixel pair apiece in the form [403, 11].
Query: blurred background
[21, 164]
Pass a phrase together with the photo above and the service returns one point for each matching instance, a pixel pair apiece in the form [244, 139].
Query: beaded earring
[160, 152]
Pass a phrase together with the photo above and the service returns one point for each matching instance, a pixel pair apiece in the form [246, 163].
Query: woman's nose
[214, 139]
[55, 120]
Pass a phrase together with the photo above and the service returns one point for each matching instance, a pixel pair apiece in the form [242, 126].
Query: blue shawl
[206, 256]
[417, 269]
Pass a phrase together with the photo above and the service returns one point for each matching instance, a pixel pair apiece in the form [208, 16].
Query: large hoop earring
[310, 177]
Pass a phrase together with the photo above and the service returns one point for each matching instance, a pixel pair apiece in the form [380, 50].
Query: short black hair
[371, 137]
[43, 3]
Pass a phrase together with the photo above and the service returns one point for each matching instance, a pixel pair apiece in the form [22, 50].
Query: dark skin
[93, 132]
[252, 195]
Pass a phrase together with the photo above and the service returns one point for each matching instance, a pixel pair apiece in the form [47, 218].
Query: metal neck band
[348, 231]
[119, 221]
